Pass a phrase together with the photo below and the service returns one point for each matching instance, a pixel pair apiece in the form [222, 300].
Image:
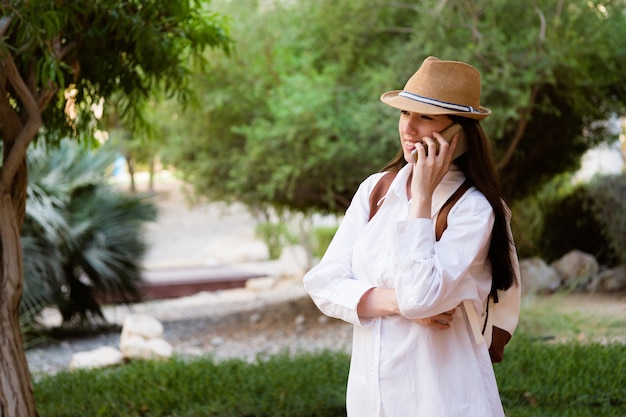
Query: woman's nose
[410, 126]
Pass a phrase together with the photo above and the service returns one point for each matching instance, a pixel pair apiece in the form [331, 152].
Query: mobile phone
[447, 134]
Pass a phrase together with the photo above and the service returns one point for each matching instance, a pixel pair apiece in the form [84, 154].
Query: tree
[57, 61]
[294, 122]
[551, 73]
[297, 124]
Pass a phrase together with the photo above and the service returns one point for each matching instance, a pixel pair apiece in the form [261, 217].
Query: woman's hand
[428, 172]
[440, 321]
[379, 302]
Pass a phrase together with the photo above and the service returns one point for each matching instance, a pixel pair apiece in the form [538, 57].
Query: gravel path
[271, 315]
[242, 323]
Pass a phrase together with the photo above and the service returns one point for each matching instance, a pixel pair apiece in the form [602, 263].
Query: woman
[413, 351]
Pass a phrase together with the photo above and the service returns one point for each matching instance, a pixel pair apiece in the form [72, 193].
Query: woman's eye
[404, 112]
[426, 117]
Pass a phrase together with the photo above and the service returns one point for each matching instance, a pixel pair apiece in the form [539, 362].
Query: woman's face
[414, 126]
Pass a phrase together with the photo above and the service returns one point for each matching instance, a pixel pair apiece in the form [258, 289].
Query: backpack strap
[382, 186]
[442, 217]
[379, 191]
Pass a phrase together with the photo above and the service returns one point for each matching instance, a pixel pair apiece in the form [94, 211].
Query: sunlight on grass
[565, 317]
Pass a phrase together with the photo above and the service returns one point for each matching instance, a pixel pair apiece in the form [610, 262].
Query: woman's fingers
[440, 321]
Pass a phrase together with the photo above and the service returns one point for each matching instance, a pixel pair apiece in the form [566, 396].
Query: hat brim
[393, 99]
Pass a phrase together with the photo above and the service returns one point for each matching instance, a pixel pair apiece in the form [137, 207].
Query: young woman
[414, 353]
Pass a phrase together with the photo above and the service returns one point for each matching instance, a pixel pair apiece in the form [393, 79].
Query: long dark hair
[479, 167]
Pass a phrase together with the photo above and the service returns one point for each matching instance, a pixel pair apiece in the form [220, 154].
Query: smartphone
[448, 133]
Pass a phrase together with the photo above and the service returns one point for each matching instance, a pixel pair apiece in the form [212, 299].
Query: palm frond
[82, 239]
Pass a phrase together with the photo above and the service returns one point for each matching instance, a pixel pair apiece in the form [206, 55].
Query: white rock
[137, 347]
[538, 277]
[141, 325]
[159, 349]
[576, 268]
[133, 347]
[261, 284]
[613, 279]
[97, 358]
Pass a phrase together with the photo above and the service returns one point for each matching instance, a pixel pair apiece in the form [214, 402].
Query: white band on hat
[442, 104]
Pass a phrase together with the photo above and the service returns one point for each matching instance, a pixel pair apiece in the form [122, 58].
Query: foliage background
[292, 120]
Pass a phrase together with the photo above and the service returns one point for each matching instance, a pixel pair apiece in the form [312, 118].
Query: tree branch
[19, 145]
[542, 19]
[60, 52]
[524, 116]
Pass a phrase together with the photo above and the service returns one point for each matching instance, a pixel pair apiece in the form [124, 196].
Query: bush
[529, 215]
[322, 236]
[276, 236]
[591, 219]
[82, 240]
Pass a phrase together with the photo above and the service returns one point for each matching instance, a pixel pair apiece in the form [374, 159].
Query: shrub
[529, 215]
[590, 218]
[82, 239]
[322, 236]
[275, 235]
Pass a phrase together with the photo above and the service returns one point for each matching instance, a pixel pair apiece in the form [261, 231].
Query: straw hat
[441, 87]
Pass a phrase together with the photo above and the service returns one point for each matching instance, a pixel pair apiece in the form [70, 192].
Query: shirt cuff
[347, 297]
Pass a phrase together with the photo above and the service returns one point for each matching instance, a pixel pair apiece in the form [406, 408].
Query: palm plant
[82, 239]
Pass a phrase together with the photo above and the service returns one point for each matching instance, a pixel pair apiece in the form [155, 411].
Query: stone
[141, 325]
[97, 358]
[261, 284]
[137, 347]
[159, 349]
[141, 338]
[538, 277]
[609, 280]
[576, 268]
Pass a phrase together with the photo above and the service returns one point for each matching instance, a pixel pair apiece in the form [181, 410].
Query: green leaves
[292, 119]
[123, 52]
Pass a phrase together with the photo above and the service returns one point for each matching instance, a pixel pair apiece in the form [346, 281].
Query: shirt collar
[448, 185]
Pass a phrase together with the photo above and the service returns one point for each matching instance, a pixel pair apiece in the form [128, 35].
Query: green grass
[583, 317]
[538, 378]
[306, 385]
[548, 370]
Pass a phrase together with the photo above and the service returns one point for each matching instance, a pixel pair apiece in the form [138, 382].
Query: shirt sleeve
[331, 284]
[436, 276]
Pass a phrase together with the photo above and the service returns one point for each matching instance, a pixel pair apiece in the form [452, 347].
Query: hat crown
[441, 87]
[447, 81]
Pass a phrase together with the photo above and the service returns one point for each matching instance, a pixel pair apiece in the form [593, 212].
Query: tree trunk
[16, 388]
[16, 391]
[151, 177]
[131, 172]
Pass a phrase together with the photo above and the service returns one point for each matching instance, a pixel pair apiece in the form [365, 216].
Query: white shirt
[400, 368]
